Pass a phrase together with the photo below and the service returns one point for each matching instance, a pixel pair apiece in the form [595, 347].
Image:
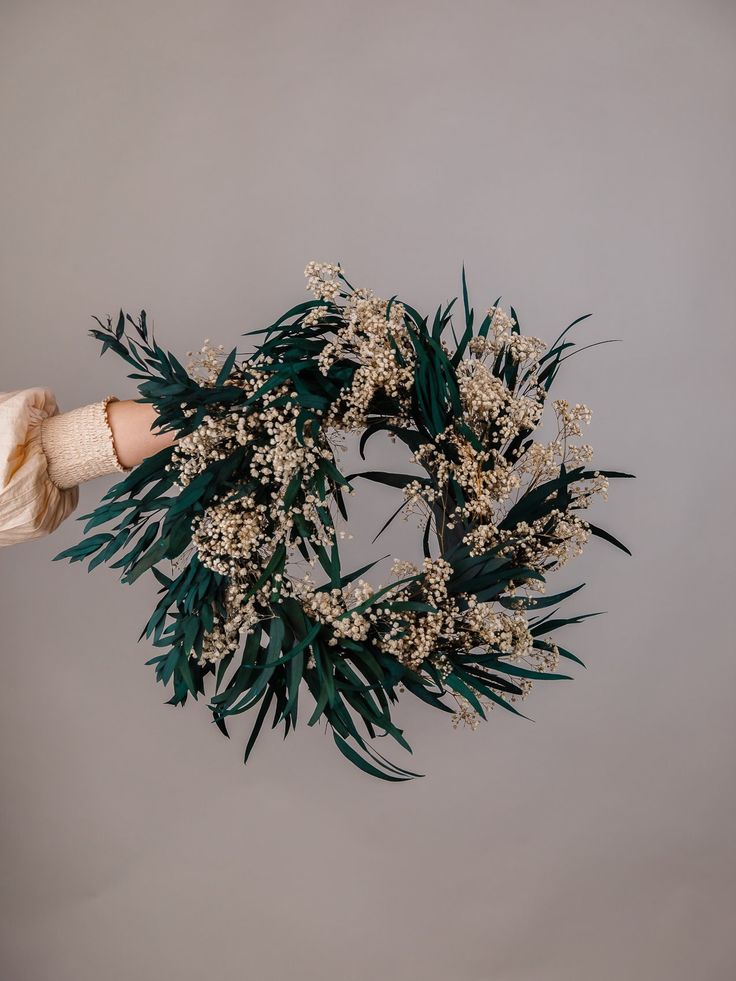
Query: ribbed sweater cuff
[78, 445]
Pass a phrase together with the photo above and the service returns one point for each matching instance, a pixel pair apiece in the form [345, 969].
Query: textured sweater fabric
[78, 445]
[44, 456]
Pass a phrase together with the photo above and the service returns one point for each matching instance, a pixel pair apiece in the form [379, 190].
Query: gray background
[189, 158]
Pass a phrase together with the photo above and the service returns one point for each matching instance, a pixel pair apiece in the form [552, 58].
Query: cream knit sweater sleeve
[44, 455]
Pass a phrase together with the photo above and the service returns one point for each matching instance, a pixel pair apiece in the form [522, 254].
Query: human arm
[45, 455]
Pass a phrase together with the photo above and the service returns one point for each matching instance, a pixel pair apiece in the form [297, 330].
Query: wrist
[133, 431]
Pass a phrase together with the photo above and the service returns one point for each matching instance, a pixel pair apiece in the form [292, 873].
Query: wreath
[240, 521]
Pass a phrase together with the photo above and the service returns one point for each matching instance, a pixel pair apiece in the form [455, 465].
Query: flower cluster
[374, 335]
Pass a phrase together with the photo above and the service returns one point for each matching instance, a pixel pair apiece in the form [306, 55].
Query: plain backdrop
[190, 158]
